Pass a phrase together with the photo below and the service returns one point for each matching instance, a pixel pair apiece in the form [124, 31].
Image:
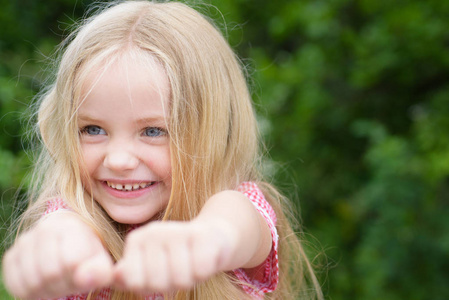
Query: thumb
[118, 275]
[95, 272]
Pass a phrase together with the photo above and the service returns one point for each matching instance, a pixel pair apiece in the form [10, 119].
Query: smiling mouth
[129, 187]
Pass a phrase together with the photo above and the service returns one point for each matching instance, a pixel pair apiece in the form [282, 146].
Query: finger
[118, 276]
[179, 260]
[73, 251]
[129, 272]
[93, 273]
[11, 274]
[156, 268]
[51, 270]
[28, 266]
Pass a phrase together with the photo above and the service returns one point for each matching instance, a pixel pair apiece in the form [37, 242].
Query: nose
[121, 157]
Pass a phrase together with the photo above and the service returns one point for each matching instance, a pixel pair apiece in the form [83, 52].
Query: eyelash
[85, 130]
[160, 131]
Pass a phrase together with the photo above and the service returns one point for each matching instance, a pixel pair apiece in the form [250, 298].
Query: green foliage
[353, 99]
[3, 294]
[357, 100]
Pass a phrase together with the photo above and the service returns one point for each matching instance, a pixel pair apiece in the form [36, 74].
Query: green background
[353, 102]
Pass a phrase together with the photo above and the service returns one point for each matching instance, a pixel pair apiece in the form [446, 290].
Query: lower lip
[129, 194]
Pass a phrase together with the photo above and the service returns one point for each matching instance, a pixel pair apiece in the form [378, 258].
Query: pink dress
[254, 285]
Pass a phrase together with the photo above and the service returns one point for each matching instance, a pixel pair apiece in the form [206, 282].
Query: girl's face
[124, 140]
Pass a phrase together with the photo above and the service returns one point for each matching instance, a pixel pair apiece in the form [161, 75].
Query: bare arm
[228, 234]
[242, 224]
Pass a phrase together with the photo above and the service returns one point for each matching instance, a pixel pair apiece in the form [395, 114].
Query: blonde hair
[213, 132]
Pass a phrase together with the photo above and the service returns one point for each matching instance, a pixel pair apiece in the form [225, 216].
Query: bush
[353, 101]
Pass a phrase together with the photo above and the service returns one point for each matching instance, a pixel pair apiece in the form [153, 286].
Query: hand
[167, 256]
[60, 256]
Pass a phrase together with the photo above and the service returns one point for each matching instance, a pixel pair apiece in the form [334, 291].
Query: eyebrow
[160, 120]
[86, 118]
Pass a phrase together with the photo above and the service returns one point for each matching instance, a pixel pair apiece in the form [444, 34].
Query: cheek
[89, 160]
[160, 162]
[167, 163]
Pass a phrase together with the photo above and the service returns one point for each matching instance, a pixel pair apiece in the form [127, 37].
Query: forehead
[124, 84]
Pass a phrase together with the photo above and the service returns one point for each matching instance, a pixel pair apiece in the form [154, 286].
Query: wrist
[225, 235]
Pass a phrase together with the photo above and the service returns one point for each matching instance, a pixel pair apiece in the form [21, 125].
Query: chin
[130, 218]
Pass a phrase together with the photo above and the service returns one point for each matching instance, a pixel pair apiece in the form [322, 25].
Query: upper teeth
[128, 187]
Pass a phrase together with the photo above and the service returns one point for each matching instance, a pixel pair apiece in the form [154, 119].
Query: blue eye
[93, 130]
[154, 132]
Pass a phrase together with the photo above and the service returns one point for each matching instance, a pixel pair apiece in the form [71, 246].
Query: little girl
[146, 186]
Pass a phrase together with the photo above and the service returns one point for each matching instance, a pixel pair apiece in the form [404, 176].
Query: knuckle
[201, 273]
[136, 286]
[34, 287]
[157, 282]
[183, 284]
[182, 280]
[69, 262]
[159, 285]
[134, 238]
[52, 275]
[23, 294]
[23, 241]
[8, 258]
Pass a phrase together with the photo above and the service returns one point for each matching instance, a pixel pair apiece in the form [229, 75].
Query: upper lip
[129, 186]
[127, 181]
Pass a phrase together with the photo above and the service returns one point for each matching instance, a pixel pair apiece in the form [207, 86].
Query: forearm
[244, 228]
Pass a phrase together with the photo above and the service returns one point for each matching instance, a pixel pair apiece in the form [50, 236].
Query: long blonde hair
[214, 139]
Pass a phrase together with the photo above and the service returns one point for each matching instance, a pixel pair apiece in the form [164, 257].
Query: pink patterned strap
[105, 294]
[55, 204]
[267, 277]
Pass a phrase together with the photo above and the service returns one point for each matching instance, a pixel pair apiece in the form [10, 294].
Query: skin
[123, 139]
